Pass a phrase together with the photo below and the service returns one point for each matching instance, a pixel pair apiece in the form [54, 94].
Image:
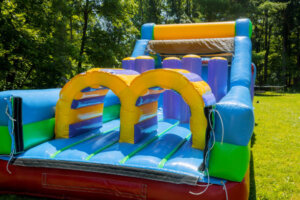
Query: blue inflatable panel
[241, 64]
[87, 102]
[188, 160]
[102, 147]
[228, 79]
[147, 31]
[204, 73]
[117, 152]
[89, 89]
[111, 99]
[238, 118]
[81, 152]
[242, 27]
[181, 161]
[48, 149]
[155, 152]
[139, 48]
[37, 105]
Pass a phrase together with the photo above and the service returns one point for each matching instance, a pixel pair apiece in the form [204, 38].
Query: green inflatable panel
[33, 134]
[38, 132]
[229, 161]
[111, 113]
[5, 141]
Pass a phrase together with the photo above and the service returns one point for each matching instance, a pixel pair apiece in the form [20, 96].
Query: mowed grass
[275, 165]
[276, 147]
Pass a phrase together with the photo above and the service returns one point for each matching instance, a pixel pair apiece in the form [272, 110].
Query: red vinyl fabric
[72, 184]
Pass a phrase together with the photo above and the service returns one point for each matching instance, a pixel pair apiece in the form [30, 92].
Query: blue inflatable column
[217, 76]
[144, 63]
[192, 63]
[172, 101]
[128, 63]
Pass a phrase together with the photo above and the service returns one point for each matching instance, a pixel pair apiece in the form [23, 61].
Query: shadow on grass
[268, 95]
[253, 139]
[252, 195]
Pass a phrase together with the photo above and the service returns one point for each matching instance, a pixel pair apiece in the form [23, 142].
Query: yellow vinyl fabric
[169, 79]
[129, 88]
[65, 115]
[194, 31]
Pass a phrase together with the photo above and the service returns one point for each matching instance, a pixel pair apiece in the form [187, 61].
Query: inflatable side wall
[230, 155]
[33, 113]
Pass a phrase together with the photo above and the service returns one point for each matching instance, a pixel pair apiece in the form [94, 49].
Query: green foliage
[43, 43]
[41, 40]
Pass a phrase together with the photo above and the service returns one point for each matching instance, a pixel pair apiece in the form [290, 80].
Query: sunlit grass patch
[276, 146]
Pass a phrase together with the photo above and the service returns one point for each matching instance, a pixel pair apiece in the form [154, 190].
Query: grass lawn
[275, 166]
[275, 162]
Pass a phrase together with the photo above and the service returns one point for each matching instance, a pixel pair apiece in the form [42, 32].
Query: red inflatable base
[67, 184]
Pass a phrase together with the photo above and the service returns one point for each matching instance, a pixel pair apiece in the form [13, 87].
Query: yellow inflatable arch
[129, 86]
[94, 78]
[178, 80]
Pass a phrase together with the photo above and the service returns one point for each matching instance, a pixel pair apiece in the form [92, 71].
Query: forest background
[44, 43]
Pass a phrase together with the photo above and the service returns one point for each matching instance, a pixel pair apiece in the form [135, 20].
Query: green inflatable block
[38, 132]
[5, 140]
[33, 134]
[111, 113]
[229, 161]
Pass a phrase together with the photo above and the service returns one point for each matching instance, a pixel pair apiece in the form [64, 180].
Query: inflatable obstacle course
[178, 115]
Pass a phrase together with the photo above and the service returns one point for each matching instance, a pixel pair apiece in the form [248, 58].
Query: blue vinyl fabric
[236, 107]
[185, 161]
[151, 156]
[238, 118]
[140, 48]
[242, 27]
[147, 31]
[39, 103]
[241, 64]
[48, 149]
[111, 99]
[117, 152]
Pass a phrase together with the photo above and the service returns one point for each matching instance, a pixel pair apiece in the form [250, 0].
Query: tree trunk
[188, 9]
[297, 78]
[298, 49]
[21, 84]
[71, 28]
[83, 39]
[142, 12]
[285, 49]
[266, 47]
